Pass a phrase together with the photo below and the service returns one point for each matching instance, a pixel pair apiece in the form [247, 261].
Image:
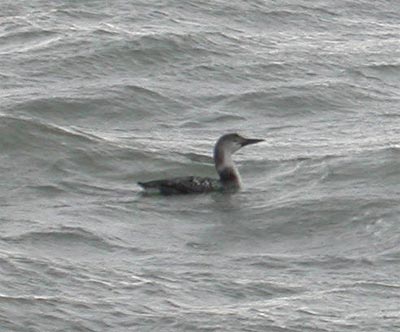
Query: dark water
[97, 95]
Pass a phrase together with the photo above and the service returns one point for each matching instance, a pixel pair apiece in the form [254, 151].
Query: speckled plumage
[183, 185]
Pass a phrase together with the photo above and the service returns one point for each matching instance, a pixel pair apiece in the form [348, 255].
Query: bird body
[229, 178]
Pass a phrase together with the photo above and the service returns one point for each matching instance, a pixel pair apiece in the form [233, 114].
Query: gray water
[97, 95]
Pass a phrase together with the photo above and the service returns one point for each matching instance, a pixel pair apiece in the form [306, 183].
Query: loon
[229, 178]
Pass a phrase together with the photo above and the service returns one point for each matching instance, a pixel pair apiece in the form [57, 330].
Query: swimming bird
[229, 178]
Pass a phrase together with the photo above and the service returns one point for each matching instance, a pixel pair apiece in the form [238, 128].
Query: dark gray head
[230, 143]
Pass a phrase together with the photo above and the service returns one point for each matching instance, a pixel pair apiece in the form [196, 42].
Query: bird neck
[227, 171]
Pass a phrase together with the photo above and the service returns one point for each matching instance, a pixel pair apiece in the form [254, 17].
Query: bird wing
[183, 185]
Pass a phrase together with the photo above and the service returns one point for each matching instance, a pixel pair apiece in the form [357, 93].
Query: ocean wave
[76, 238]
[388, 67]
[27, 41]
[60, 234]
[26, 133]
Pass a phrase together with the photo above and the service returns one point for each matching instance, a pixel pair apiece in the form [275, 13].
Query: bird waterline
[229, 177]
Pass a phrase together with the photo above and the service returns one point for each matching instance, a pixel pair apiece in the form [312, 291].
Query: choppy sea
[97, 95]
